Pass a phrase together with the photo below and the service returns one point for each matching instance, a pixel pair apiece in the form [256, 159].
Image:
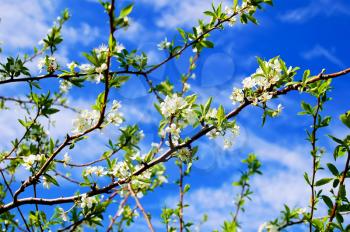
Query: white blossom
[228, 10]
[165, 44]
[184, 154]
[65, 86]
[190, 116]
[237, 95]
[249, 83]
[213, 133]
[85, 120]
[175, 131]
[171, 104]
[86, 68]
[119, 48]
[95, 170]
[28, 161]
[211, 114]
[235, 130]
[186, 87]
[46, 184]
[66, 159]
[277, 111]
[265, 97]
[99, 71]
[114, 116]
[87, 201]
[72, 65]
[49, 62]
[120, 170]
[41, 64]
[101, 49]
[63, 214]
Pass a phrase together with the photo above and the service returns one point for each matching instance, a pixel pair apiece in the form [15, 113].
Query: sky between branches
[311, 34]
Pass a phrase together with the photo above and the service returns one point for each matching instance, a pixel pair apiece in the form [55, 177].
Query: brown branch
[238, 205]
[25, 102]
[117, 214]
[139, 205]
[66, 178]
[181, 197]
[341, 184]
[314, 160]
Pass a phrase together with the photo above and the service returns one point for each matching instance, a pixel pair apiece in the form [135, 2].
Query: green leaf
[207, 105]
[323, 181]
[126, 11]
[220, 115]
[235, 4]
[345, 118]
[306, 107]
[207, 44]
[186, 188]
[182, 33]
[333, 169]
[306, 177]
[328, 201]
[339, 151]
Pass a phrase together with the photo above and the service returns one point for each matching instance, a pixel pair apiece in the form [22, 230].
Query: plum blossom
[87, 201]
[277, 111]
[269, 227]
[66, 159]
[96, 170]
[49, 62]
[171, 104]
[237, 95]
[86, 68]
[99, 71]
[71, 66]
[46, 184]
[65, 86]
[164, 45]
[114, 116]
[28, 161]
[62, 214]
[119, 48]
[85, 120]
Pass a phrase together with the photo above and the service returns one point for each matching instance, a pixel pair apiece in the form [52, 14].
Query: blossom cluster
[28, 161]
[114, 116]
[88, 119]
[180, 113]
[258, 87]
[87, 202]
[96, 170]
[49, 63]
[85, 120]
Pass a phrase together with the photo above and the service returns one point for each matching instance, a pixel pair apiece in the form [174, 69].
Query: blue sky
[311, 34]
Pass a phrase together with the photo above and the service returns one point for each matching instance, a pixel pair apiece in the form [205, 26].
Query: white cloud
[315, 8]
[179, 13]
[24, 22]
[84, 34]
[321, 52]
